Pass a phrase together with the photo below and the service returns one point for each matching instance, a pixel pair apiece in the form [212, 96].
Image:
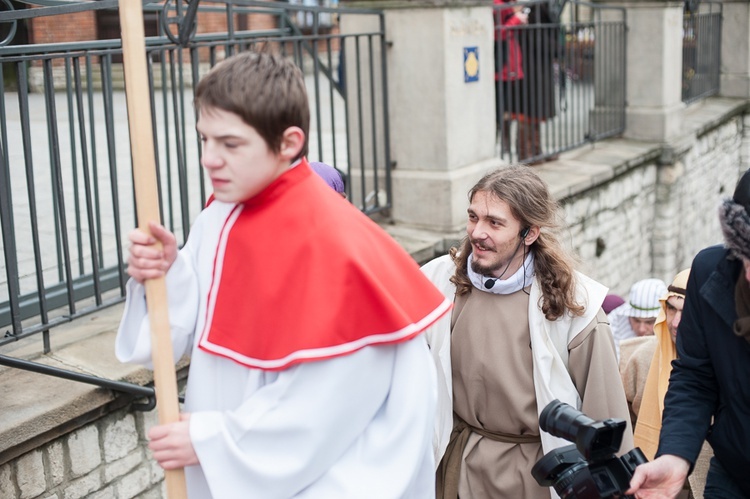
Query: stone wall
[106, 459]
[651, 219]
[689, 193]
[611, 225]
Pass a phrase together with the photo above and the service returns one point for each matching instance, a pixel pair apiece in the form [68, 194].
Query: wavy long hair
[532, 205]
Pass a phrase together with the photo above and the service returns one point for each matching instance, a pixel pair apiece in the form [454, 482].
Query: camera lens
[589, 469]
[562, 420]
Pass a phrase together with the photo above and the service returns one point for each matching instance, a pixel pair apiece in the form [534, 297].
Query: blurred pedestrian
[611, 302]
[636, 317]
[663, 351]
[508, 66]
[333, 176]
[540, 46]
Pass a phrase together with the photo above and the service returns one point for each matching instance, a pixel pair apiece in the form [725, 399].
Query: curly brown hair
[532, 205]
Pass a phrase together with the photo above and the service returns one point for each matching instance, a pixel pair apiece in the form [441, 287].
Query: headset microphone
[490, 283]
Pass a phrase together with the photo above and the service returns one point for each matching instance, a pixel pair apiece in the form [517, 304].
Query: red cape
[301, 275]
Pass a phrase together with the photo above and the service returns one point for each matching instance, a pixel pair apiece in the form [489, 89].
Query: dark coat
[540, 46]
[711, 377]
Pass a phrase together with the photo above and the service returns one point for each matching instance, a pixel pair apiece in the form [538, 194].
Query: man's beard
[498, 265]
[485, 270]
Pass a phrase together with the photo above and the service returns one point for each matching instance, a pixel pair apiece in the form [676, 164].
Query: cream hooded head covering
[648, 426]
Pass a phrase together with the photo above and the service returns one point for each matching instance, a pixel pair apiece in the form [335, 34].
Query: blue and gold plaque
[471, 64]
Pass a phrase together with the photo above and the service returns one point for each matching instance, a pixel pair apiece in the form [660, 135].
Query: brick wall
[63, 28]
[83, 27]
[95, 25]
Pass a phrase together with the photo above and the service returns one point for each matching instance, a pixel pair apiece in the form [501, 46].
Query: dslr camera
[589, 469]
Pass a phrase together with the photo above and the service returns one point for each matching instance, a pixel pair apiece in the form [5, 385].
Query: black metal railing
[137, 391]
[66, 187]
[701, 50]
[560, 73]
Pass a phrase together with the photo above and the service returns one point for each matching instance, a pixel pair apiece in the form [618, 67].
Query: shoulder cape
[302, 275]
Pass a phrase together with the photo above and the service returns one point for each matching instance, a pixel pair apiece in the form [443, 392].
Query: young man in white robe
[526, 329]
[309, 375]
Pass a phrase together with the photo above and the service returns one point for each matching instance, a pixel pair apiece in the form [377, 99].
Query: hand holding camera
[664, 475]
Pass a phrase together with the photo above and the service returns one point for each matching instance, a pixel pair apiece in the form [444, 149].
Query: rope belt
[450, 466]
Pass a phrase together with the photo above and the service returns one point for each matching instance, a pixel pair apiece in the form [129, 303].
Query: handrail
[118, 386]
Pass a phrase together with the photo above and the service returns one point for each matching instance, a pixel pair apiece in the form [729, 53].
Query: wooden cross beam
[147, 208]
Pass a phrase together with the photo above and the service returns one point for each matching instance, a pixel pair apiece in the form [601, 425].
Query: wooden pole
[147, 207]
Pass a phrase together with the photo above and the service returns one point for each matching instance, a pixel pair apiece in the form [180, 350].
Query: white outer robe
[355, 426]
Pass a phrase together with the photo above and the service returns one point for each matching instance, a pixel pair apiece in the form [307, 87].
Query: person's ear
[533, 234]
[292, 142]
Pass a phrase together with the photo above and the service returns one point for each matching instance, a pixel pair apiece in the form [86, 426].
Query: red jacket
[507, 44]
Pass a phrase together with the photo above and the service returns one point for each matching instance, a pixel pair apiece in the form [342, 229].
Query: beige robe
[493, 389]
[635, 362]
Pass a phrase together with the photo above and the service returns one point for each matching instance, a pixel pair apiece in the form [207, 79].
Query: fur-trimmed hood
[734, 216]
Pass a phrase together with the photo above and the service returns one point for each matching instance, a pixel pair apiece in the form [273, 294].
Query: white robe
[621, 328]
[358, 425]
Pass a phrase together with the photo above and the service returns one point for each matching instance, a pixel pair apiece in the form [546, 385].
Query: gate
[560, 73]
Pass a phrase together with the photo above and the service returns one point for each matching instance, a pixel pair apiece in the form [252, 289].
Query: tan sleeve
[593, 368]
[633, 388]
[634, 370]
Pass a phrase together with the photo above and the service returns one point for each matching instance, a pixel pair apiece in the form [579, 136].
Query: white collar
[521, 279]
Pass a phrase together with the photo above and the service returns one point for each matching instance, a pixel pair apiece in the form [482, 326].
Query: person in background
[333, 176]
[540, 45]
[636, 354]
[611, 302]
[508, 67]
[646, 378]
[709, 392]
[526, 329]
[646, 375]
[637, 316]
